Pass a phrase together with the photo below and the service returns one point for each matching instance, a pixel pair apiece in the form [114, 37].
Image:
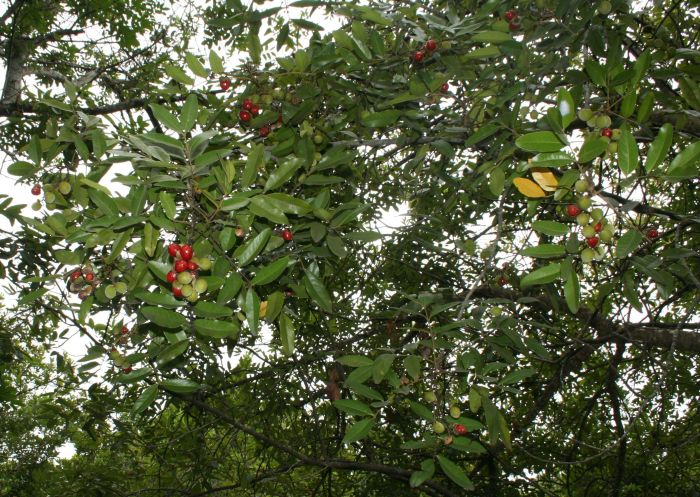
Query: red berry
[186, 252]
[598, 227]
[510, 15]
[445, 87]
[289, 292]
[171, 276]
[125, 330]
[245, 116]
[502, 281]
[177, 292]
[192, 266]
[128, 369]
[419, 56]
[75, 275]
[430, 45]
[173, 249]
[460, 430]
[264, 131]
[225, 83]
[36, 190]
[247, 104]
[514, 26]
[592, 241]
[255, 109]
[653, 234]
[607, 132]
[573, 210]
[90, 276]
[287, 235]
[181, 266]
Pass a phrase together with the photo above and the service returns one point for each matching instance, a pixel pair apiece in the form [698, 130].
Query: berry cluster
[429, 47]
[184, 275]
[595, 228]
[82, 281]
[601, 123]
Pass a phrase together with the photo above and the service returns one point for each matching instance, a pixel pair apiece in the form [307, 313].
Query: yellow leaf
[545, 178]
[263, 309]
[528, 188]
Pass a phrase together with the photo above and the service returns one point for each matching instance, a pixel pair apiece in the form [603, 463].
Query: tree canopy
[442, 248]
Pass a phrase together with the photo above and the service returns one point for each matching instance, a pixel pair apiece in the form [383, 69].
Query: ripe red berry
[430, 45]
[186, 252]
[177, 292]
[573, 210]
[90, 276]
[192, 266]
[502, 281]
[264, 131]
[75, 275]
[125, 330]
[173, 249]
[128, 369]
[513, 26]
[607, 132]
[510, 15]
[592, 241]
[653, 234]
[181, 266]
[225, 83]
[445, 87]
[255, 109]
[245, 116]
[36, 190]
[171, 276]
[287, 235]
[419, 56]
[247, 104]
[460, 430]
[289, 292]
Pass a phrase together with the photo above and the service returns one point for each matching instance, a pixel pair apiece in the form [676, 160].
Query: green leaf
[172, 351]
[32, 296]
[572, 292]
[147, 397]
[164, 116]
[211, 310]
[627, 151]
[254, 162]
[358, 431]
[592, 149]
[22, 168]
[317, 291]
[540, 141]
[517, 376]
[136, 375]
[288, 204]
[104, 202]
[381, 366]
[286, 334]
[420, 410]
[426, 473]
[196, 66]
[251, 307]
[381, 119]
[216, 63]
[364, 236]
[492, 37]
[566, 107]
[216, 329]
[249, 251]
[280, 175]
[188, 115]
[483, 53]
[353, 407]
[497, 179]
[163, 317]
[628, 243]
[658, 150]
[162, 299]
[541, 276]
[545, 251]
[455, 473]
[355, 361]
[466, 445]
[180, 385]
[275, 302]
[551, 228]
[552, 159]
[261, 207]
[178, 75]
[168, 204]
[372, 15]
[685, 164]
[412, 363]
[271, 272]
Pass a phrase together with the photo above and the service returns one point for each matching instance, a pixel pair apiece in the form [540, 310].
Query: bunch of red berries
[512, 17]
[249, 110]
[184, 275]
[82, 281]
[429, 47]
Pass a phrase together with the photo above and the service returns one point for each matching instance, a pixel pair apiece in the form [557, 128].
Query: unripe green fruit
[583, 219]
[584, 202]
[184, 277]
[616, 134]
[581, 186]
[193, 297]
[438, 427]
[267, 99]
[588, 231]
[177, 285]
[50, 197]
[36, 206]
[278, 94]
[496, 311]
[187, 290]
[318, 138]
[587, 255]
[591, 122]
[606, 236]
[603, 121]
[604, 8]
[612, 147]
[204, 263]
[64, 187]
[201, 285]
[430, 396]
[110, 291]
[121, 287]
[597, 214]
[585, 114]
[455, 412]
[599, 254]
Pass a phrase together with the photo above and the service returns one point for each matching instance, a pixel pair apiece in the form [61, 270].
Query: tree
[217, 231]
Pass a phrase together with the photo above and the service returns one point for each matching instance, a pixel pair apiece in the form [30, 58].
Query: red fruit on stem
[419, 56]
[75, 275]
[592, 241]
[125, 330]
[460, 430]
[287, 235]
[225, 83]
[510, 15]
[181, 266]
[445, 87]
[264, 131]
[128, 369]
[598, 227]
[514, 26]
[573, 210]
[90, 276]
[607, 132]
[430, 45]
[192, 266]
[177, 292]
[36, 190]
[247, 104]
[255, 110]
[289, 292]
[653, 234]
[171, 276]
[245, 116]
[186, 252]
[173, 249]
